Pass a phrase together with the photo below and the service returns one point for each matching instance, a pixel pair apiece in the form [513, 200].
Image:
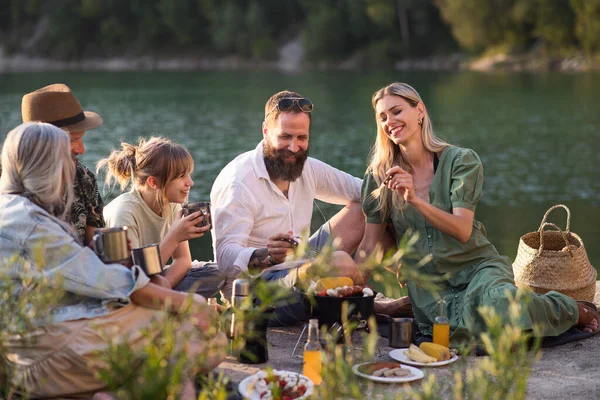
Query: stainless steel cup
[111, 244]
[148, 258]
[400, 332]
[203, 206]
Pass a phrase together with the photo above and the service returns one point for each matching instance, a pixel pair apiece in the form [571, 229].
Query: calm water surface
[537, 134]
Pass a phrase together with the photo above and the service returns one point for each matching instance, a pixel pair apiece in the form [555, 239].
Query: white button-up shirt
[247, 207]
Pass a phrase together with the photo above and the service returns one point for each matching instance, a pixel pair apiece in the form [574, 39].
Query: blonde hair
[385, 154]
[157, 157]
[34, 154]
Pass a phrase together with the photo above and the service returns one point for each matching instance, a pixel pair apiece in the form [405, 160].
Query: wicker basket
[555, 260]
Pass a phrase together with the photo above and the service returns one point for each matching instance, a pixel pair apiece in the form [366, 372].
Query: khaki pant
[62, 359]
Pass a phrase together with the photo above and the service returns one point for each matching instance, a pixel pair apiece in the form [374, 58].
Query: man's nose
[293, 147]
[78, 147]
[190, 182]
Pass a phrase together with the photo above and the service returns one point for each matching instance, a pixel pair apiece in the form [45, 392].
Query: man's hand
[280, 245]
[259, 259]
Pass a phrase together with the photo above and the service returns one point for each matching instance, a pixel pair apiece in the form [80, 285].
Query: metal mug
[148, 258]
[111, 244]
[203, 206]
[401, 332]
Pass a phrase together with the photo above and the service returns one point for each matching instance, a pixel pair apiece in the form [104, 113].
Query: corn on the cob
[332, 283]
[437, 351]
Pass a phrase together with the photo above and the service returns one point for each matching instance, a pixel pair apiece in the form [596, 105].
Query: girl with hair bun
[158, 172]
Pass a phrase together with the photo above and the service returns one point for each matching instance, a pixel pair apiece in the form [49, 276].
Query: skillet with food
[329, 295]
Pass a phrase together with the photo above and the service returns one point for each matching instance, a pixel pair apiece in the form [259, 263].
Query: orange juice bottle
[312, 354]
[441, 325]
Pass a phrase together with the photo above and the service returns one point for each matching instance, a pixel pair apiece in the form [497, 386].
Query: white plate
[248, 383]
[416, 375]
[400, 355]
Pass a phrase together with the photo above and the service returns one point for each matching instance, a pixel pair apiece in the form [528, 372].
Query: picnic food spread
[439, 352]
[387, 372]
[280, 385]
[339, 287]
[331, 283]
[385, 369]
[347, 291]
[418, 355]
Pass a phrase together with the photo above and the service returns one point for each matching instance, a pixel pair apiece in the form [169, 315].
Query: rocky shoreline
[454, 62]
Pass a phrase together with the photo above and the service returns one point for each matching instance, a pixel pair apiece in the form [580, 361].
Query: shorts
[206, 279]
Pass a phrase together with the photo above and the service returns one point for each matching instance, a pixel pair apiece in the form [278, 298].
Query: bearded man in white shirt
[263, 200]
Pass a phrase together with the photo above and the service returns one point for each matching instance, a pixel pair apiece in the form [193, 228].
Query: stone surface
[568, 371]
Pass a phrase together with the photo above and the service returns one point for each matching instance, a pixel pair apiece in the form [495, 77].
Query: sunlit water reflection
[537, 134]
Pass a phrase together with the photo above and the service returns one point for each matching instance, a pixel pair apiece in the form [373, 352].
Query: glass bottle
[312, 353]
[441, 325]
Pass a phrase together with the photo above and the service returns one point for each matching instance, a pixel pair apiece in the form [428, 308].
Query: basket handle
[562, 233]
[548, 213]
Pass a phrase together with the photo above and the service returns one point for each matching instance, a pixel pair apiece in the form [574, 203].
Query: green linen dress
[478, 275]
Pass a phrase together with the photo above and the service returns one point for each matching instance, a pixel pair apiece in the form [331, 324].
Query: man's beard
[278, 168]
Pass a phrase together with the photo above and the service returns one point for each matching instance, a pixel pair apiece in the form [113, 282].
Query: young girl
[158, 171]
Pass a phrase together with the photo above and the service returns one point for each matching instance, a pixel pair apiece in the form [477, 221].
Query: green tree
[554, 23]
[480, 24]
[227, 32]
[587, 23]
[324, 35]
[180, 18]
[262, 45]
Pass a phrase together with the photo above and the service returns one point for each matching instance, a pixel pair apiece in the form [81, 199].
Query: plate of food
[387, 372]
[427, 355]
[276, 385]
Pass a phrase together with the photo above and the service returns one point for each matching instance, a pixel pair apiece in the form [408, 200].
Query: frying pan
[328, 310]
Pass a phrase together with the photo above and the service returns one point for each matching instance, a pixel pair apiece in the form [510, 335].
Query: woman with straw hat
[57, 105]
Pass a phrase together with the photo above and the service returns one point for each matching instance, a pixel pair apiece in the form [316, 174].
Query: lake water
[537, 134]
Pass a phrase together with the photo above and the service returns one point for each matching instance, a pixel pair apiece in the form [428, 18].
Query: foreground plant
[167, 360]
[26, 299]
[504, 372]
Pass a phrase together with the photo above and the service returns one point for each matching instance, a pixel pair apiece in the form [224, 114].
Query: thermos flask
[247, 326]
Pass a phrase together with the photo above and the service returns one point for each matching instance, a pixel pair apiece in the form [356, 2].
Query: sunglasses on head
[284, 105]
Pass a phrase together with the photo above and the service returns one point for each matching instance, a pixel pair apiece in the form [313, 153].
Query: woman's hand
[402, 182]
[184, 228]
[203, 314]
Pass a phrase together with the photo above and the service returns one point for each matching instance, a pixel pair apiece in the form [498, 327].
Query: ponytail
[120, 165]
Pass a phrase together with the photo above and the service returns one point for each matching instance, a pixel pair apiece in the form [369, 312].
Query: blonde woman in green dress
[434, 188]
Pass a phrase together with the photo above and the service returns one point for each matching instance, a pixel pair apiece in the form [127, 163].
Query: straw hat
[57, 105]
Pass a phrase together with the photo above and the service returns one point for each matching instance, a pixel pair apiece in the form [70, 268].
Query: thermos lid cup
[241, 287]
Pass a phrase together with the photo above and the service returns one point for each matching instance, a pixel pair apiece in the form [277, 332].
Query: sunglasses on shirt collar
[285, 105]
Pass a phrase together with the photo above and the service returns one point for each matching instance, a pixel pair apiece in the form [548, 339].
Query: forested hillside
[370, 32]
